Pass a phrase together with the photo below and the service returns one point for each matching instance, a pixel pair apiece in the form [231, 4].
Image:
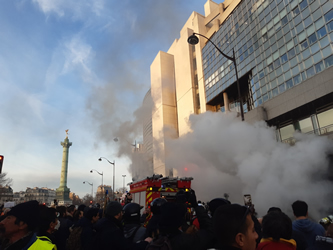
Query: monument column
[63, 191]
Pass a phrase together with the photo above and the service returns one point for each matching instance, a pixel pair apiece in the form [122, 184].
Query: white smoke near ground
[225, 155]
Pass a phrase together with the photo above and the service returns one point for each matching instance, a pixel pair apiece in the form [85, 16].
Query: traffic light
[90, 202]
[1, 162]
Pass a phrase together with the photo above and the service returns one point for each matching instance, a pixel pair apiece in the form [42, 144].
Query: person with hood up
[303, 225]
[277, 232]
[133, 231]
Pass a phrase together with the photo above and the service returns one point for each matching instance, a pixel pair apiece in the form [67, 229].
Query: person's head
[276, 225]
[78, 214]
[216, 203]
[71, 209]
[300, 209]
[233, 226]
[131, 213]
[155, 205]
[81, 207]
[20, 220]
[92, 214]
[61, 210]
[274, 209]
[129, 196]
[329, 231]
[114, 210]
[172, 216]
[48, 219]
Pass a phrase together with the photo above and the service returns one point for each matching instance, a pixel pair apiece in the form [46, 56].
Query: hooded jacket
[309, 229]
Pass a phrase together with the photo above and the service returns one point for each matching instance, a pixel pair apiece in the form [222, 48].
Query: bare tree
[86, 199]
[5, 180]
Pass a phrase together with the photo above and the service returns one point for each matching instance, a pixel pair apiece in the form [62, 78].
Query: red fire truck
[146, 190]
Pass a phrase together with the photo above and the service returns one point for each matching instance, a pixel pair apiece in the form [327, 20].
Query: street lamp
[193, 40]
[116, 139]
[124, 175]
[92, 188]
[114, 165]
[102, 179]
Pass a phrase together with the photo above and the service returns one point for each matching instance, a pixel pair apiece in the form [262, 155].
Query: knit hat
[113, 208]
[27, 212]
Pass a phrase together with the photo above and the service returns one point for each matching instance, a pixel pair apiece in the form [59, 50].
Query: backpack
[161, 243]
[74, 239]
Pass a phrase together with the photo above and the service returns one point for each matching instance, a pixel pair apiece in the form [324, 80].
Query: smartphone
[247, 200]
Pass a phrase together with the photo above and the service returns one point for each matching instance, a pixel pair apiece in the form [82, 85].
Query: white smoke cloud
[225, 155]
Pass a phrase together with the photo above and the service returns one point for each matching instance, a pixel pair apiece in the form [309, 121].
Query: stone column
[64, 167]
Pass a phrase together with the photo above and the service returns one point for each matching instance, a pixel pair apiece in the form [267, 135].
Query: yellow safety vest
[43, 242]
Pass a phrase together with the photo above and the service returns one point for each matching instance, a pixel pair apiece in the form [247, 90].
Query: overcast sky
[77, 65]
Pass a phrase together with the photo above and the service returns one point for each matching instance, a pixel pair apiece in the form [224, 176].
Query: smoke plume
[225, 155]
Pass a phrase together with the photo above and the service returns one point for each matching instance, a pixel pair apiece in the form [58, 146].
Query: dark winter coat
[62, 233]
[134, 232]
[88, 234]
[309, 229]
[110, 236]
[202, 239]
[300, 240]
[322, 243]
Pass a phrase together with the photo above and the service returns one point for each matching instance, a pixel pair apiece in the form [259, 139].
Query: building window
[321, 32]
[330, 26]
[284, 58]
[304, 45]
[287, 132]
[310, 72]
[312, 38]
[325, 118]
[297, 79]
[296, 11]
[282, 88]
[329, 61]
[289, 84]
[319, 67]
[303, 4]
[305, 125]
[329, 16]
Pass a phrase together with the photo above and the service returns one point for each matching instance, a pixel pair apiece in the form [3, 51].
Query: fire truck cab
[146, 190]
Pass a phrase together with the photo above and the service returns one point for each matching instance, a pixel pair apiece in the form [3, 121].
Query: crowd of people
[183, 223]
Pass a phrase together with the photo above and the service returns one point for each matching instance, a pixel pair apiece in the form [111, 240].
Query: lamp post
[102, 180]
[92, 188]
[193, 40]
[124, 175]
[114, 165]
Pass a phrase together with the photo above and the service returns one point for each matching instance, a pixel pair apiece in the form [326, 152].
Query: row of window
[319, 123]
[308, 46]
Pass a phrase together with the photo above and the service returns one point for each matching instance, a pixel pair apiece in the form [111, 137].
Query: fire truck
[146, 190]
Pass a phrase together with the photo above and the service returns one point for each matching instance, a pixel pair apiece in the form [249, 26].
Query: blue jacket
[309, 229]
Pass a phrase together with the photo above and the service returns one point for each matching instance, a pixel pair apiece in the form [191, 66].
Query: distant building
[6, 194]
[42, 195]
[19, 197]
[101, 191]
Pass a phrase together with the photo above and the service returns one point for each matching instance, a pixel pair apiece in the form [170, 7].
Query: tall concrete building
[284, 54]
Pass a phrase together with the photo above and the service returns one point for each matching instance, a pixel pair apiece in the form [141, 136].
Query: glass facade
[282, 42]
